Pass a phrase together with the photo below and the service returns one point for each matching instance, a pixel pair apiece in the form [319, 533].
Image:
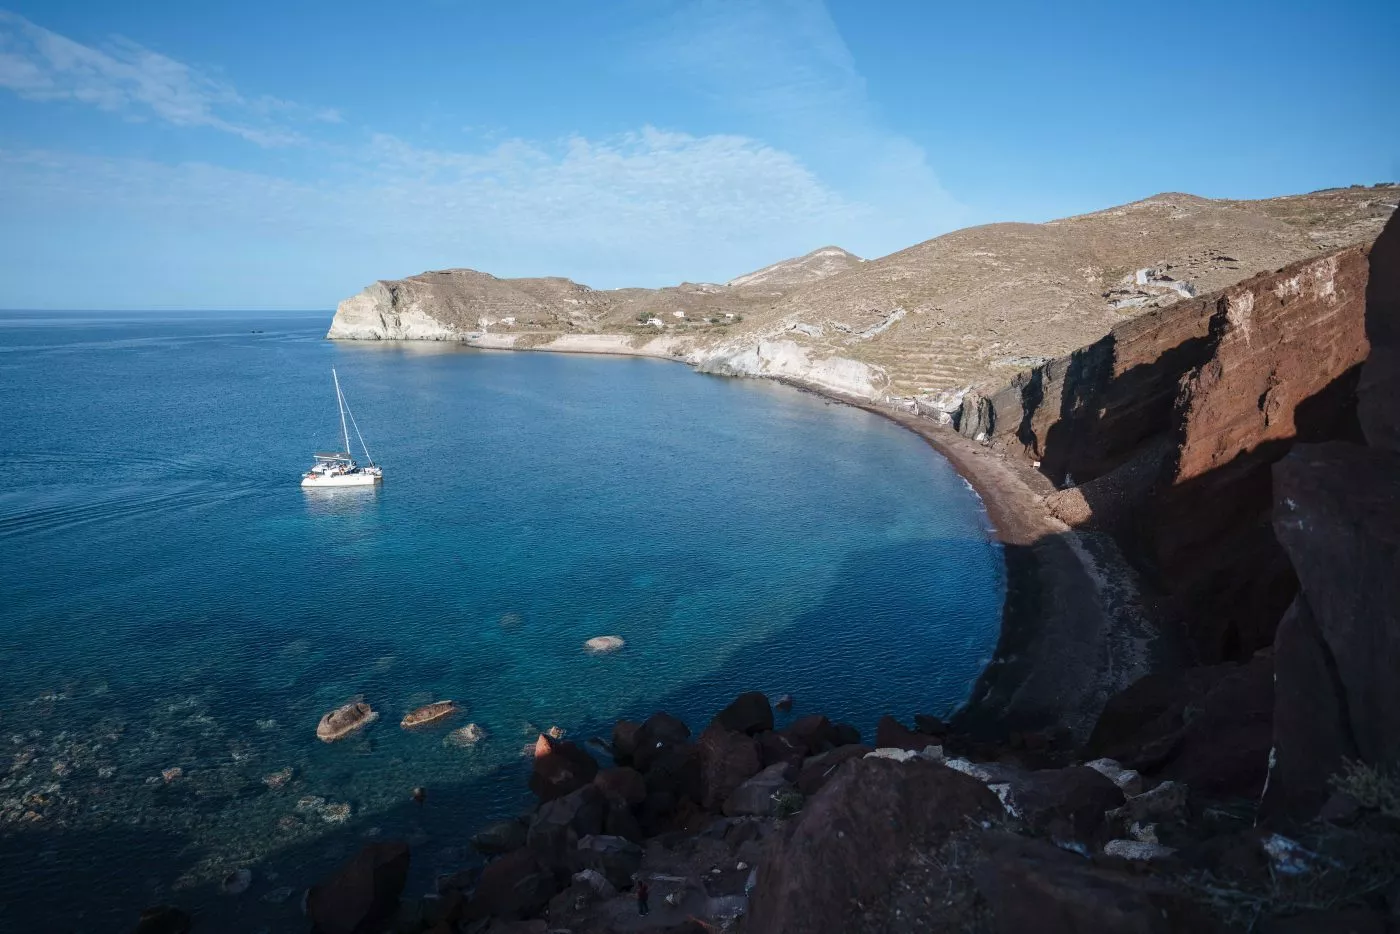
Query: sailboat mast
[340, 401]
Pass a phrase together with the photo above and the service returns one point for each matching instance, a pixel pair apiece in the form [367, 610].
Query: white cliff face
[784, 359]
[374, 315]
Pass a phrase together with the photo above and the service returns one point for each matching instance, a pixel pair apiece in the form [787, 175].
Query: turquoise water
[170, 598]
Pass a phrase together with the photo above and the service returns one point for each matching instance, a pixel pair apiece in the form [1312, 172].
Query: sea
[177, 613]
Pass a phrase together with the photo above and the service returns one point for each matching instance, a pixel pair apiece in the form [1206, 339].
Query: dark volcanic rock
[780, 747]
[514, 886]
[163, 919]
[499, 837]
[660, 731]
[558, 825]
[1210, 727]
[560, 767]
[1378, 395]
[755, 796]
[843, 734]
[890, 733]
[622, 784]
[748, 713]
[615, 858]
[848, 841]
[1029, 885]
[363, 894]
[677, 771]
[1312, 734]
[1338, 517]
[814, 733]
[624, 740]
[928, 723]
[727, 760]
[818, 770]
[1065, 804]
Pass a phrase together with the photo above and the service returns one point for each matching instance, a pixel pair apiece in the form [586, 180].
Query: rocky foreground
[775, 823]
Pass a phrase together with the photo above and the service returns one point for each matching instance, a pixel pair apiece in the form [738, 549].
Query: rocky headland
[1188, 725]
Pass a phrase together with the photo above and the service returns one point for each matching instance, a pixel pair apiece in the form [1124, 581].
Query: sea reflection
[350, 501]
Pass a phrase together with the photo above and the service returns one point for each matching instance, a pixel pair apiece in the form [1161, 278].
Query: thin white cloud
[650, 207]
[42, 65]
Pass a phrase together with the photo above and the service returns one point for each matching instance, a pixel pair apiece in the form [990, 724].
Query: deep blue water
[169, 596]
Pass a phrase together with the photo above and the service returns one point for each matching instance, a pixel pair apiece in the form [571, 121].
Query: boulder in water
[602, 645]
[163, 919]
[429, 713]
[362, 894]
[343, 721]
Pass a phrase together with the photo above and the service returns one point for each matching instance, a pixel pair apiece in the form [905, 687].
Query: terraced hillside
[967, 309]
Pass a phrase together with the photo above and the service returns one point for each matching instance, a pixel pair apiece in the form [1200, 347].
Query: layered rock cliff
[1163, 432]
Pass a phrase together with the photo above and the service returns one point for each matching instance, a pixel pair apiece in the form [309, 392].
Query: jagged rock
[814, 733]
[597, 882]
[1210, 727]
[1064, 804]
[1167, 803]
[727, 760]
[622, 784]
[895, 754]
[362, 895]
[560, 767]
[343, 721]
[622, 822]
[624, 740]
[617, 859]
[975, 418]
[658, 732]
[163, 919]
[850, 839]
[779, 747]
[677, 771]
[891, 734]
[1312, 735]
[428, 713]
[512, 887]
[755, 796]
[1029, 885]
[818, 770]
[1337, 514]
[1127, 780]
[559, 824]
[499, 837]
[748, 713]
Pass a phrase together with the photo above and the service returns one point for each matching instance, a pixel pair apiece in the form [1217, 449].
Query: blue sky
[283, 155]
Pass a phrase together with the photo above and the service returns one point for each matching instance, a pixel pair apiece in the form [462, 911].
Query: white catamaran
[339, 468]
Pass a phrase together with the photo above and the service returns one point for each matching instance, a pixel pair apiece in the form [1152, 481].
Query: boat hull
[352, 479]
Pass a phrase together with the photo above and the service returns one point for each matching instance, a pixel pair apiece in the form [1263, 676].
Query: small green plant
[1370, 786]
[787, 802]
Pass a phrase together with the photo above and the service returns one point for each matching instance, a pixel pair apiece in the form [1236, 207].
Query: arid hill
[968, 309]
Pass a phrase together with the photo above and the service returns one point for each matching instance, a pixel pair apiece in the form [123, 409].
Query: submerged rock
[469, 735]
[236, 882]
[429, 713]
[601, 645]
[343, 721]
[279, 778]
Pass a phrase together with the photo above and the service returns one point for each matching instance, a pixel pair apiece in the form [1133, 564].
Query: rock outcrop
[343, 721]
[363, 894]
